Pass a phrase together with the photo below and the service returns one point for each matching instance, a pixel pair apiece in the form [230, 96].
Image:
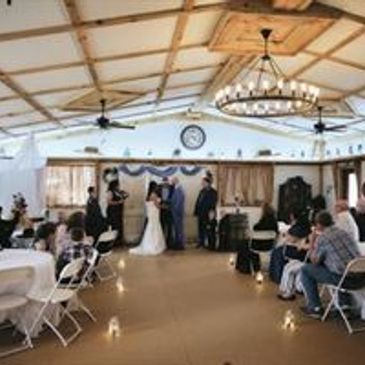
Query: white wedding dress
[153, 241]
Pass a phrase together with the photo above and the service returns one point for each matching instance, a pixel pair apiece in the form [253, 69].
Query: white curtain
[25, 174]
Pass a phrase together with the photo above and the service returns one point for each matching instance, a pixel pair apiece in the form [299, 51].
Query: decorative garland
[110, 174]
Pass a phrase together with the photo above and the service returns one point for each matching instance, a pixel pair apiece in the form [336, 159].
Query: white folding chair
[60, 295]
[354, 267]
[264, 237]
[10, 302]
[84, 283]
[104, 269]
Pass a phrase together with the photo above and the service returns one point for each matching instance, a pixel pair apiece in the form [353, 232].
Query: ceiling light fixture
[265, 91]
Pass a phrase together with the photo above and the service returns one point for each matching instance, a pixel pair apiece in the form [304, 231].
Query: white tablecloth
[44, 278]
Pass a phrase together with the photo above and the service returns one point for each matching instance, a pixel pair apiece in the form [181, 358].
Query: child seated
[75, 248]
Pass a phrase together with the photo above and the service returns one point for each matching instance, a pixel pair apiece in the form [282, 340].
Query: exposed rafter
[226, 75]
[17, 89]
[299, 5]
[107, 22]
[82, 38]
[176, 40]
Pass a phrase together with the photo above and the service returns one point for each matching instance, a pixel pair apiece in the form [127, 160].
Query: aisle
[191, 308]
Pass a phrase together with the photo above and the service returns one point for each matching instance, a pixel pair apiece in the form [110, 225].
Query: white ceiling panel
[177, 102]
[143, 84]
[150, 97]
[334, 75]
[191, 76]
[38, 51]
[35, 128]
[14, 106]
[58, 99]
[334, 35]
[132, 37]
[53, 79]
[291, 64]
[23, 119]
[91, 9]
[198, 57]
[184, 91]
[200, 27]
[352, 6]
[358, 104]
[131, 67]
[5, 91]
[353, 51]
[29, 14]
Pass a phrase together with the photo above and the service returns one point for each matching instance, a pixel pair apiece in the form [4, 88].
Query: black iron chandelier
[265, 91]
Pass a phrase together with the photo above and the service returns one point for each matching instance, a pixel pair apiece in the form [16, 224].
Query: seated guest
[45, 238]
[345, 220]
[7, 228]
[75, 248]
[333, 250]
[290, 280]
[299, 230]
[359, 216]
[246, 259]
[95, 223]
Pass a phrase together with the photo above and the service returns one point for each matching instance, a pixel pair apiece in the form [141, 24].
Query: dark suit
[166, 191]
[206, 201]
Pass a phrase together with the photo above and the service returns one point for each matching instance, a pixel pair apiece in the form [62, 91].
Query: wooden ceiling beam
[299, 5]
[225, 75]
[176, 40]
[107, 22]
[111, 82]
[83, 41]
[17, 89]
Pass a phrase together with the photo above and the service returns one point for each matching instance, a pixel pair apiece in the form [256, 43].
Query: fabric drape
[250, 184]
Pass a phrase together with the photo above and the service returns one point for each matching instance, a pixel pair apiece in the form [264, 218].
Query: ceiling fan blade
[336, 128]
[114, 124]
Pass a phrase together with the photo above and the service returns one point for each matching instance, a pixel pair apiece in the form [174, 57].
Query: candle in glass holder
[232, 260]
[114, 327]
[120, 285]
[259, 277]
[121, 264]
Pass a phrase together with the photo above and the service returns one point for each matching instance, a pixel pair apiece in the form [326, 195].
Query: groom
[177, 210]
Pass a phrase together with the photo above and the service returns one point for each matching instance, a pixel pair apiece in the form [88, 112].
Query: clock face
[193, 137]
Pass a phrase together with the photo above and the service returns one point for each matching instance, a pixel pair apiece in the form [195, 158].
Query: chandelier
[265, 91]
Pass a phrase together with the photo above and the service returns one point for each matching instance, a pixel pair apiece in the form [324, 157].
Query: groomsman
[205, 203]
[178, 210]
[166, 192]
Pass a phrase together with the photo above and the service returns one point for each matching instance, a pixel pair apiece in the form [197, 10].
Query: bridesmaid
[115, 207]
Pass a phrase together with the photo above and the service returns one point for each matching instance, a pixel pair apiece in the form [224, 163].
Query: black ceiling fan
[320, 127]
[103, 122]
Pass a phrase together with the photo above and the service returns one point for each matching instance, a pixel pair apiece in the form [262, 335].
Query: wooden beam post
[176, 40]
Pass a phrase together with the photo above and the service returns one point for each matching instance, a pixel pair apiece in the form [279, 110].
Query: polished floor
[192, 308]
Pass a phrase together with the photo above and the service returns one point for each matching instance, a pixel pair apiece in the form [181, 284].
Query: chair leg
[330, 304]
[86, 310]
[104, 262]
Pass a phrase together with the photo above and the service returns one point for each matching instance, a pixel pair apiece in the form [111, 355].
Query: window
[67, 184]
[352, 189]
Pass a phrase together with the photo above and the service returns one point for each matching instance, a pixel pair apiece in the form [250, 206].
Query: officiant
[166, 191]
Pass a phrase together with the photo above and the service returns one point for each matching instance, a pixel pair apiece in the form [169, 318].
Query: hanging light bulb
[280, 86]
[265, 85]
[293, 86]
[251, 85]
[238, 89]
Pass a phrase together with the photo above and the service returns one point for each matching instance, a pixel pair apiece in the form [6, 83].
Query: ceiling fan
[320, 127]
[103, 122]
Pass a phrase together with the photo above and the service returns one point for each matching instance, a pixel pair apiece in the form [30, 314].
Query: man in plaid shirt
[333, 250]
[75, 249]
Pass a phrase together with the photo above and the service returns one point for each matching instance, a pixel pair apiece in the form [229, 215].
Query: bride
[153, 241]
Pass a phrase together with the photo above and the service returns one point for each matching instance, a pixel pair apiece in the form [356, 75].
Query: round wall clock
[193, 137]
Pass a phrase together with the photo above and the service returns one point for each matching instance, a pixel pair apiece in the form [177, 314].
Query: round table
[43, 279]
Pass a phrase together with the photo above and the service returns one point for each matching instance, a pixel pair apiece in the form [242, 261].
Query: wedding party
[182, 182]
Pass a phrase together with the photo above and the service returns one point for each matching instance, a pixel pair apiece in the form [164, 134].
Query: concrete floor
[192, 308]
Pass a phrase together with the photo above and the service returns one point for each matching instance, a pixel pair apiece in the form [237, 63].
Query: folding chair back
[265, 238]
[357, 266]
[105, 242]
[71, 270]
